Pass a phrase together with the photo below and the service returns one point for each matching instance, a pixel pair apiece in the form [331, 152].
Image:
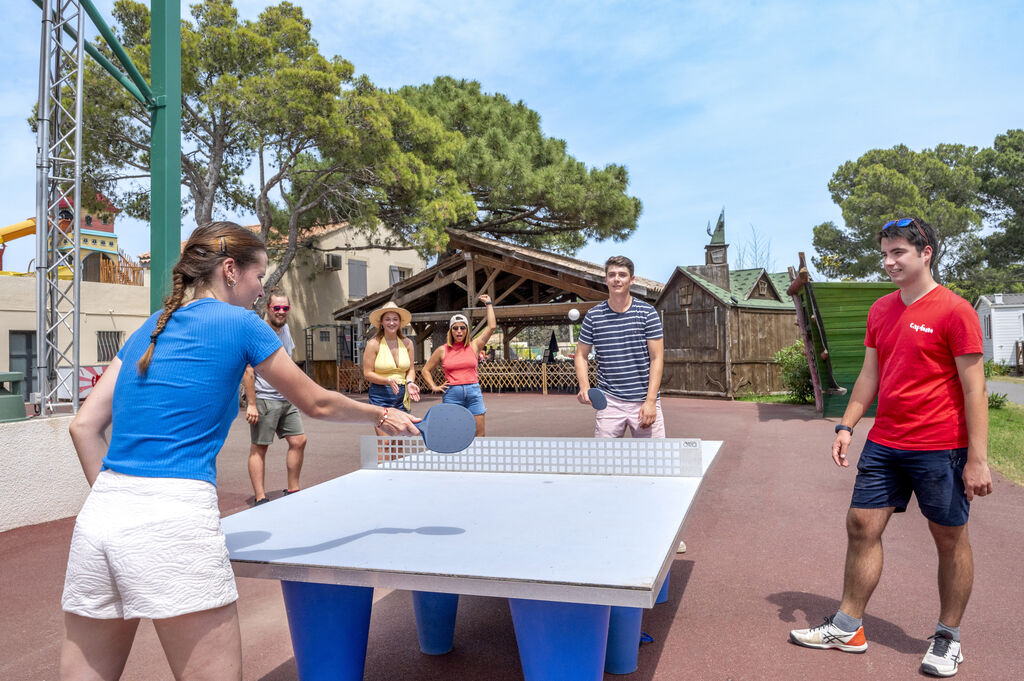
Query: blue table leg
[663, 594]
[623, 640]
[330, 625]
[563, 641]
[435, 620]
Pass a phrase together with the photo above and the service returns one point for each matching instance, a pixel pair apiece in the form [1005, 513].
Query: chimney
[998, 298]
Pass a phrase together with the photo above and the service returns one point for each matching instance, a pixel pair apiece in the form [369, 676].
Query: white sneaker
[827, 635]
[942, 657]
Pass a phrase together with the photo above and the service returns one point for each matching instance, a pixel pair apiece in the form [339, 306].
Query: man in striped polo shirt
[627, 336]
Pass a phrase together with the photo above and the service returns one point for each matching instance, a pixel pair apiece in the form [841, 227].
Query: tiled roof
[741, 282]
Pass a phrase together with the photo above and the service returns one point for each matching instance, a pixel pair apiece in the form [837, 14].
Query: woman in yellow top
[388, 360]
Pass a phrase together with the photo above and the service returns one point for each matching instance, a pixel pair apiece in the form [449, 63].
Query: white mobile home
[1002, 324]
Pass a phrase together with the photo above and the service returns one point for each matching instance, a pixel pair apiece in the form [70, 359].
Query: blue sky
[750, 106]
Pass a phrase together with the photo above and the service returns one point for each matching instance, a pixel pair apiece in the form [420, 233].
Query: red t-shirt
[459, 364]
[920, 399]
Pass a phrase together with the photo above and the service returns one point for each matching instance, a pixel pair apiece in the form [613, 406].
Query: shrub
[796, 374]
[997, 400]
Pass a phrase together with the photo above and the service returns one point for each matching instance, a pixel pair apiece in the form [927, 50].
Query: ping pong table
[578, 533]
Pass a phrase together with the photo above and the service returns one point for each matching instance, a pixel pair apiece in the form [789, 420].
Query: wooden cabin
[723, 327]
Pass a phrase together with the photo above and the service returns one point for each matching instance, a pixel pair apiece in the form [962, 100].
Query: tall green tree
[326, 146]
[218, 54]
[939, 185]
[526, 187]
[1001, 169]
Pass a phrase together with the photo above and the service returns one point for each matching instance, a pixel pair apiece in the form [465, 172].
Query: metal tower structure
[59, 174]
[58, 203]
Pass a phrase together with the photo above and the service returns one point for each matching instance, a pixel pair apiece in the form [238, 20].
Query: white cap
[458, 318]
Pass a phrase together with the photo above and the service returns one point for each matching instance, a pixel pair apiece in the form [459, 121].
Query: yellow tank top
[385, 362]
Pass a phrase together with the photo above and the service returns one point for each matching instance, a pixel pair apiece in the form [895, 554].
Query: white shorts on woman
[148, 547]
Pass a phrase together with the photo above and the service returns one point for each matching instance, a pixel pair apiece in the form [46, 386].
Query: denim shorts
[381, 396]
[469, 396]
[887, 476]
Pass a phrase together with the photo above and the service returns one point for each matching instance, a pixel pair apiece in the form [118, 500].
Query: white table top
[573, 538]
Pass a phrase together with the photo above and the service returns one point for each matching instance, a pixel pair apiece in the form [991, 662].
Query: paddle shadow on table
[815, 608]
[241, 540]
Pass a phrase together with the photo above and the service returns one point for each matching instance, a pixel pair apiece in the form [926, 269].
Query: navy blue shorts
[469, 396]
[887, 476]
[381, 396]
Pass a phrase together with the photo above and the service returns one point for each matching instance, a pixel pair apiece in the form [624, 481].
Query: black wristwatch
[848, 429]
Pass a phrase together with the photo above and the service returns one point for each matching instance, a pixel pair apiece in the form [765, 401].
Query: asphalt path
[1014, 391]
[765, 552]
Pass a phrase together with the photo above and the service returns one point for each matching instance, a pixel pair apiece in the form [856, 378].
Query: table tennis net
[575, 456]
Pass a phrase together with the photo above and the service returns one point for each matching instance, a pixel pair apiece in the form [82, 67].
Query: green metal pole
[165, 158]
[115, 45]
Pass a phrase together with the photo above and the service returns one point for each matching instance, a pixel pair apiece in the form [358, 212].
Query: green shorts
[276, 416]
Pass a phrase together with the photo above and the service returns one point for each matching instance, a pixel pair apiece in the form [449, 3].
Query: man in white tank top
[269, 413]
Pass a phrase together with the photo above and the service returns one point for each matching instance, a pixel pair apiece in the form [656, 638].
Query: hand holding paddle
[399, 422]
[594, 397]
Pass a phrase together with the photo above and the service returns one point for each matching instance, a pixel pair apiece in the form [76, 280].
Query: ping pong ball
[574, 314]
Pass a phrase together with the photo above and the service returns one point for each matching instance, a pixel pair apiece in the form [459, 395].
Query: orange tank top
[459, 365]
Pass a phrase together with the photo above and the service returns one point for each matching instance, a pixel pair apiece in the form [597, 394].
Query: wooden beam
[488, 286]
[509, 290]
[564, 282]
[470, 280]
[430, 287]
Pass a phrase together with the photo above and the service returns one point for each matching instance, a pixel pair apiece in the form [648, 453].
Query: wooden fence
[121, 272]
[517, 375]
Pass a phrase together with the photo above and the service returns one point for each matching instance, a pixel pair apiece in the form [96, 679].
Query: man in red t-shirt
[923, 360]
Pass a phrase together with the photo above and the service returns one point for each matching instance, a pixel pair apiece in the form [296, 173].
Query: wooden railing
[123, 271]
[517, 375]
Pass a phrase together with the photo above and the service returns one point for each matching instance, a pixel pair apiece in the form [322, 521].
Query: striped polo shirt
[620, 341]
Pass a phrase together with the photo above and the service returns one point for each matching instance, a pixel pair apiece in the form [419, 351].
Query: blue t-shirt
[172, 422]
[620, 341]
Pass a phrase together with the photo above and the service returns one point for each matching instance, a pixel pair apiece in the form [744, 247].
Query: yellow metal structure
[17, 230]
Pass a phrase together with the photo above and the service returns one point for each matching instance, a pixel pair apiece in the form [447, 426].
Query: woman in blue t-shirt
[148, 542]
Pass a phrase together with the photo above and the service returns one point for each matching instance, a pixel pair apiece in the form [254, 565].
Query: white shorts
[613, 420]
[148, 547]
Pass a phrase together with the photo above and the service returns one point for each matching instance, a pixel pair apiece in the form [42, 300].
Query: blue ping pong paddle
[447, 428]
[597, 399]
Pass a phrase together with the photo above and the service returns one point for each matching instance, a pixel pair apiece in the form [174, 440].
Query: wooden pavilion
[529, 287]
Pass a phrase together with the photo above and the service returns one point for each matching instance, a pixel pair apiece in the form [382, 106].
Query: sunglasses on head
[903, 223]
[281, 308]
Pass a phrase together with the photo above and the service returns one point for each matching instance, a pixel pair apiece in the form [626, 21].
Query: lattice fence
[516, 375]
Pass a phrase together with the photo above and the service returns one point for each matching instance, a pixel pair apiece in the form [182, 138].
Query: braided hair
[205, 250]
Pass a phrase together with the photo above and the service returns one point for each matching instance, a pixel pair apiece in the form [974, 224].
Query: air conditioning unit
[332, 261]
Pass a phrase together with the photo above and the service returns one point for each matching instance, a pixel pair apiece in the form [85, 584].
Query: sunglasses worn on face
[281, 308]
[458, 328]
[903, 223]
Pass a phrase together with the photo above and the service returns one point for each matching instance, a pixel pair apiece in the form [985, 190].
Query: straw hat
[404, 315]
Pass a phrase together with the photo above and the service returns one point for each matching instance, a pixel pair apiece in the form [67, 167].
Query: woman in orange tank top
[458, 358]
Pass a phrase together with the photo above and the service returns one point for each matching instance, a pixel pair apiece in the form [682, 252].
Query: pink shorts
[613, 420]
